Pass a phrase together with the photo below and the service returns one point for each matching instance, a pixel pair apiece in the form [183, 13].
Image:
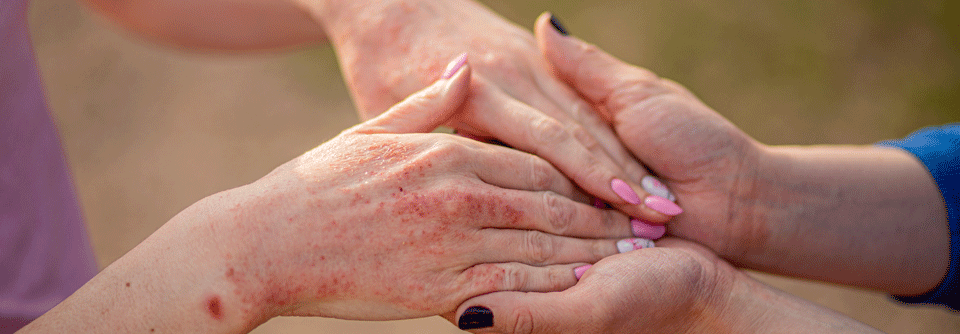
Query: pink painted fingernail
[643, 229]
[597, 203]
[454, 66]
[578, 271]
[624, 191]
[662, 205]
[653, 186]
[632, 244]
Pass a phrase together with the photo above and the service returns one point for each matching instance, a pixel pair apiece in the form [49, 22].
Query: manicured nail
[662, 205]
[578, 271]
[475, 317]
[642, 229]
[454, 66]
[632, 244]
[597, 203]
[557, 25]
[624, 191]
[653, 186]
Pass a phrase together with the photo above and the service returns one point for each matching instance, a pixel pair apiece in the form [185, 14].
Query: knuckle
[523, 320]
[586, 138]
[538, 246]
[513, 277]
[547, 131]
[541, 173]
[559, 211]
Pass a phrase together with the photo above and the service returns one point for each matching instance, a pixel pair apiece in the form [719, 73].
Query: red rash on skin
[214, 307]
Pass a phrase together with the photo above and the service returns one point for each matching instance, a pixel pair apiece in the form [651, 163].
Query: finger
[596, 75]
[540, 249]
[599, 128]
[427, 109]
[512, 276]
[511, 169]
[524, 313]
[545, 211]
[564, 147]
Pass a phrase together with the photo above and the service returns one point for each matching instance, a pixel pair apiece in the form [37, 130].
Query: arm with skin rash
[390, 49]
[382, 222]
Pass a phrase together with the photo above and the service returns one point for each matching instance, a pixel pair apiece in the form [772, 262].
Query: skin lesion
[214, 307]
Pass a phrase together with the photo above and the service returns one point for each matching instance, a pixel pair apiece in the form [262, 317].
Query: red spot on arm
[214, 307]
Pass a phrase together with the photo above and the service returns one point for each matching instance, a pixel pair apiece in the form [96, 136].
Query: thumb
[599, 77]
[513, 312]
[427, 109]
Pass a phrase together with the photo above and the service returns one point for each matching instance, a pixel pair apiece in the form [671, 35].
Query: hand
[388, 49]
[865, 216]
[704, 159]
[380, 225]
[678, 287]
[371, 225]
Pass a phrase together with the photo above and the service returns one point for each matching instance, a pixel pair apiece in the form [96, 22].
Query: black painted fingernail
[475, 317]
[557, 25]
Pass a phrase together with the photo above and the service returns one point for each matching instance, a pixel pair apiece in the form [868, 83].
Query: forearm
[865, 216]
[174, 281]
[219, 25]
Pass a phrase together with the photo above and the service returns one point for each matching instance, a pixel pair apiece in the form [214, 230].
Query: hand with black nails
[677, 287]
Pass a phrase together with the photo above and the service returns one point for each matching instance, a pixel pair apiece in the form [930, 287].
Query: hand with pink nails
[389, 49]
[382, 222]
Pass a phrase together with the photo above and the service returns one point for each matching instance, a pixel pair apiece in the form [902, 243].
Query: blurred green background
[150, 130]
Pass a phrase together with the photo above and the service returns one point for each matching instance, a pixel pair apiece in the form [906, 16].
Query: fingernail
[624, 191]
[578, 271]
[662, 205]
[557, 25]
[632, 244]
[653, 186]
[597, 203]
[475, 317]
[454, 66]
[642, 229]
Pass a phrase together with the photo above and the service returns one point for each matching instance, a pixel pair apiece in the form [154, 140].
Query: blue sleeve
[938, 148]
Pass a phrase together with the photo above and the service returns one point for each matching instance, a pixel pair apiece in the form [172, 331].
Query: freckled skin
[406, 251]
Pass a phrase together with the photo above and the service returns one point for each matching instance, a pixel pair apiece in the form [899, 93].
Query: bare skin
[677, 287]
[858, 215]
[390, 49]
[865, 216]
[371, 225]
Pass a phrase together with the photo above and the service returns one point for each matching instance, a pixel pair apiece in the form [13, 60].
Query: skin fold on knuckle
[541, 173]
[523, 322]
[538, 246]
[546, 133]
[560, 212]
[514, 278]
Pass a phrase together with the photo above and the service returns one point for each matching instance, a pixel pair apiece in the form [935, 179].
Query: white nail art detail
[632, 244]
[655, 187]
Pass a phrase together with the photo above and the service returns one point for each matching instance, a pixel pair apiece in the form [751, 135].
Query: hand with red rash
[372, 225]
[388, 49]
[867, 216]
[677, 287]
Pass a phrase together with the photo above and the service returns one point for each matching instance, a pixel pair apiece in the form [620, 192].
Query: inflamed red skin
[376, 225]
[371, 225]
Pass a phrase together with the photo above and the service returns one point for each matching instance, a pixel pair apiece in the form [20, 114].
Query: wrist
[878, 208]
[750, 306]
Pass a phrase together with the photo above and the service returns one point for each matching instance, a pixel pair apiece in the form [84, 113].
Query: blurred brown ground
[150, 130]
